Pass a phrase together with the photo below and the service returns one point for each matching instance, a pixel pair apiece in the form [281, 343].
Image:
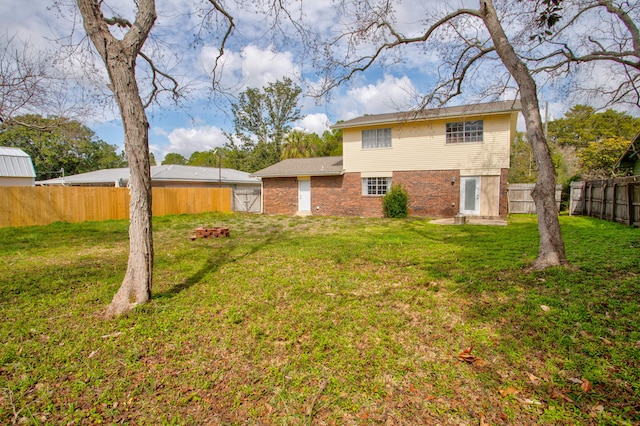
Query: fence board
[520, 200]
[41, 205]
[617, 200]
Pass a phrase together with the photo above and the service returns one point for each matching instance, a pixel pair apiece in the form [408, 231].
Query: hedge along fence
[41, 205]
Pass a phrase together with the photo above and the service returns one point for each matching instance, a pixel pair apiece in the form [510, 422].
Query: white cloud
[315, 123]
[251, 67]
[186, 141]
[386, 95]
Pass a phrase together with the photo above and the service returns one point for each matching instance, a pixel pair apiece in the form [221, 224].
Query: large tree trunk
[551, 251]
[136, 286]
[119, 57]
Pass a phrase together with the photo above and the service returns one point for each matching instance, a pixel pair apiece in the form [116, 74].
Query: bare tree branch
[155, 84]
[225, 38]
[363, 63]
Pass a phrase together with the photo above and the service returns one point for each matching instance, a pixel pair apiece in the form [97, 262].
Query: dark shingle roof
[432, 114]
[316, 166]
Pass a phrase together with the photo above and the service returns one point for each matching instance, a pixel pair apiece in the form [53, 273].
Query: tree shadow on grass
[214, 263]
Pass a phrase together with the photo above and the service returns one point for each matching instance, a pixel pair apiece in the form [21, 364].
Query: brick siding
[434, 193]
[342, 196]
[431, 193]
[280, 195]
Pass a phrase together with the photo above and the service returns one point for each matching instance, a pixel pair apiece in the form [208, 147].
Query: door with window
[304, 195]
[470, 195]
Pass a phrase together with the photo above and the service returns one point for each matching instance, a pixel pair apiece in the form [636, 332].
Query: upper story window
[376, 138]
[465, 131]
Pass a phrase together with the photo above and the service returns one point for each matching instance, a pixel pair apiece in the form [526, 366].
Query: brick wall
[342, 196]
[280, 195]
[431, 193]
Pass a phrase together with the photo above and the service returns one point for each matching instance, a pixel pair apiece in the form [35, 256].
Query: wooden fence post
[603, 204]
[613, 202]
[630, 218]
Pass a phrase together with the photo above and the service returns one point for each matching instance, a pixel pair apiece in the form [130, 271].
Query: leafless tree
[121, 56]
[516, 37]
[34, 81]
[22, 78]
[465, 39]
[595, 44]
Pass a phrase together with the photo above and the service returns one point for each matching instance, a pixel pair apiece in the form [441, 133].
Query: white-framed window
[465, 131]
[376, 138]
[375, 185]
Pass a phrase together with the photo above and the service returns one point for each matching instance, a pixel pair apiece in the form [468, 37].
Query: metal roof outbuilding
[14, 162]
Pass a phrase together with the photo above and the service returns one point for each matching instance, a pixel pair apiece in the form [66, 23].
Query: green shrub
[395, 203]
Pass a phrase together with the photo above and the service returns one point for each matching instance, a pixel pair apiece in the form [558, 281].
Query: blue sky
[255, 56]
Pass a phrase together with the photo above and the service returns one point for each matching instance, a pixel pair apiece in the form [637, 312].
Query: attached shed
[16, 168]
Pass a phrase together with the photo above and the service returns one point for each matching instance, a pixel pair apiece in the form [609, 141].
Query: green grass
[295, 321]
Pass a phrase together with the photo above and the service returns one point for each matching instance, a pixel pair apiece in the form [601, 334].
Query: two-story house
[451, 160]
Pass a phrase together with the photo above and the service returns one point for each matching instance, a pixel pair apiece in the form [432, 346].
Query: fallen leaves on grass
[545, 308]
[584, 383]
[556, 394]
[534, 380]
[465, 356]
[529, 401]
[595, 410]
[508, 391]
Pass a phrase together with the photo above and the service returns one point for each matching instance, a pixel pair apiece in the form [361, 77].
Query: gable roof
[164, 173]
[488, 108]
[14, 162]
[315, 166]
[631, 155]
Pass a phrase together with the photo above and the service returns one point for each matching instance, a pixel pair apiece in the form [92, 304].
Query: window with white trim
[465, 131]
[375, 185]
[376, 138]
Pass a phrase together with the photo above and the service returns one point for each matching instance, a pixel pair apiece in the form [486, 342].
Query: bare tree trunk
[551, 251]
[119, 57]
[136, 286]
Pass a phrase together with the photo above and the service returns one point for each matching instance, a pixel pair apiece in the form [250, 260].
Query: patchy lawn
[339, 321]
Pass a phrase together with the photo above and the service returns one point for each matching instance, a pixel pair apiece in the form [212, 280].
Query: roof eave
[398, 117]
[276, 175]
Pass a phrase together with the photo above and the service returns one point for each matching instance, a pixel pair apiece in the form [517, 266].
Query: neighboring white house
[246, 189]
[16, 168]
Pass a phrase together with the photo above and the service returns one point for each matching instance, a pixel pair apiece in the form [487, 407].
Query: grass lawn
[338, 321]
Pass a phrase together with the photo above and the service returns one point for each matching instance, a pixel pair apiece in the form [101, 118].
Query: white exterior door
[470, 195]
[304, 195]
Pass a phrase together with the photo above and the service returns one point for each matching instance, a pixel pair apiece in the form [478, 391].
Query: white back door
[304, 195]
[470, 195]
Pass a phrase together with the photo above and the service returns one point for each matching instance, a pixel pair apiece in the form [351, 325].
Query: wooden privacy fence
[520, 200]
[41, 205]
[617, 200]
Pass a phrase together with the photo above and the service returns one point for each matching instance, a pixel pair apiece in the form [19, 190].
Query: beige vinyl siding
[422, 146]
[489, 196]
